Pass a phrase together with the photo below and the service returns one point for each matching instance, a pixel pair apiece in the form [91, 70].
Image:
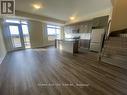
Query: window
[53, 32]
[26, 36]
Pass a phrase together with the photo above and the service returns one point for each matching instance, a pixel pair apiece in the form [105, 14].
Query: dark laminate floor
[26, 72]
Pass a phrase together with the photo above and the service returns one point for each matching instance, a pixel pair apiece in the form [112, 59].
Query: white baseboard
[2, 58]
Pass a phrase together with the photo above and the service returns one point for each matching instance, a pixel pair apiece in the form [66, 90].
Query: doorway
[16, 37]
[19, 34]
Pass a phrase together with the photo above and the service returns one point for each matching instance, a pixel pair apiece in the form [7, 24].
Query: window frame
[55, 27]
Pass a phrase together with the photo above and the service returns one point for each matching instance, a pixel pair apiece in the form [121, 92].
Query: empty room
[63, 47]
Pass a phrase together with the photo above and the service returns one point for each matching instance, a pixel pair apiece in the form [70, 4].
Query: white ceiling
[63, 9]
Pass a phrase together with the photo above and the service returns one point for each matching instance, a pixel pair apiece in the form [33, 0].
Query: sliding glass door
[16, 36]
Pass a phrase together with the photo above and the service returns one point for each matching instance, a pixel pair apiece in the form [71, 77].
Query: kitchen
[85, 35]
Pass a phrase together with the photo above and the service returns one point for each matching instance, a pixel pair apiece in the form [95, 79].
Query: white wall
[36, 34]
[2, 45]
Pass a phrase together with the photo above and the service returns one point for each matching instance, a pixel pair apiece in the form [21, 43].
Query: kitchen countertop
[68, 40]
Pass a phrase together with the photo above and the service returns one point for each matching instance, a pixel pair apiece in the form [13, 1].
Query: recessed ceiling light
[72, 18]
[37, 6]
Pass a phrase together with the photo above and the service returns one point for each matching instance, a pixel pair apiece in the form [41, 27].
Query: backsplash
[85, 36]
[84, 29]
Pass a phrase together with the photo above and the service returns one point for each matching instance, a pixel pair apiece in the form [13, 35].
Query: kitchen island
[67, 45]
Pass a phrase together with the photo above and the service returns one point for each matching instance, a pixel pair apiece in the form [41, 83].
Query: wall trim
[3, 58]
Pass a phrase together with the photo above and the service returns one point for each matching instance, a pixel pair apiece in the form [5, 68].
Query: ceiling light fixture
[37, 6]
[72, 18]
